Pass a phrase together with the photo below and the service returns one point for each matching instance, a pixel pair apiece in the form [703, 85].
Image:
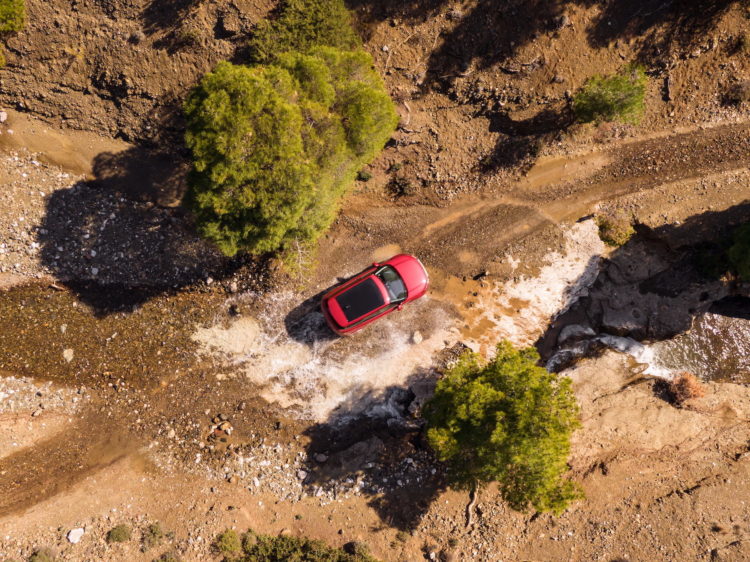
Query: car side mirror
[375, 264]
[400, 307]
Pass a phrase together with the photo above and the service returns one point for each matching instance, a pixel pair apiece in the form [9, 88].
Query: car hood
[413, 273]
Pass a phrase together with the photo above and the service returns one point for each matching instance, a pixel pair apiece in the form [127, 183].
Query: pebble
[321, 458]
[417, 338]
[74, 535]
[68, 355]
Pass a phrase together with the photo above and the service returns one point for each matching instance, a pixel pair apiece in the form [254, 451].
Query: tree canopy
[506, 420]
[275, 146]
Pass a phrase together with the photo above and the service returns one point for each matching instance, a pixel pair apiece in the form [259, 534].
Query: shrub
[168, 557]
[612, 98]
[276, 146]
[121, 533]
[686, 386]
[507, 420]
[228, 542]
[43, 555]
[301, 26]
[2, 58]
[738, 93]
[153, 535]
[364, 175]
[12, 15]
[615, 228]
[739, 252]
[298, 549]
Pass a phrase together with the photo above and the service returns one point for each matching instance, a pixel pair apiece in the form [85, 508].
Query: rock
[284, 532]
[35, 413]
[68, 355]
[224, 426]
[575, 331]
[223, 417]
[74, 535]
[171, 434]
[321, 458]
[233, 287]
[416, 337]
[3, 116]
[301, 474]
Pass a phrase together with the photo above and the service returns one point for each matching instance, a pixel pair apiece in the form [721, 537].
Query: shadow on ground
[381, 453]
[116, 243]
[653, 286]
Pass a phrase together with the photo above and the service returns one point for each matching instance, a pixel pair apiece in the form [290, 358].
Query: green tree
[507, 420]
[276, 146]
[739, 252]
[610, 98]
[12, 15]
[302, 25]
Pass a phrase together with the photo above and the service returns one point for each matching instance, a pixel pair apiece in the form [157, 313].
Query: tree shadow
[652, 287]
[521, 141]
[114, 244]
[306, 324]
[374, 445]
[662, 27]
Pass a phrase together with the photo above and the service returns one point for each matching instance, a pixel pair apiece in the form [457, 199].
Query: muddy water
[51, 334]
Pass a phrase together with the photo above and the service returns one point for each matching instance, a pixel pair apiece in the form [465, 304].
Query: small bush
[43, 555]
[402, 536]
[12, 15]
[153, 536]
[364, 175]
[2, 58]
[743, 43]
[739, 252]
[686, 386]
[168, 557]
[228, 543]
[300, 549]
[612, 98]
[400, 186]
[121, 533]
[302, 25]
[615, 229]
[738, 93]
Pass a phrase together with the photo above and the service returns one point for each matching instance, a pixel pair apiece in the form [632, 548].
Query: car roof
[360, 299]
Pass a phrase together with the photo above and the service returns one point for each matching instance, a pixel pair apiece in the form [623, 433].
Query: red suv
[373, 293]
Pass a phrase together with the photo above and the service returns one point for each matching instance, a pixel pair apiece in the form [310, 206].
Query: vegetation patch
[618, 97]
[153, 535]
[506, 420]
[228, 543]
[43, 555]
[120, 533]
[739, 252]
[302, 25]
[12, 15]
[686, 386]
[276, 146]
[266, 548]
[615, 228]
[738, 93]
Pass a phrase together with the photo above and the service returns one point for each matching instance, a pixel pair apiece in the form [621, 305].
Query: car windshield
[393, 283]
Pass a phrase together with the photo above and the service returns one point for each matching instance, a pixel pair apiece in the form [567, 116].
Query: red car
[373, 293]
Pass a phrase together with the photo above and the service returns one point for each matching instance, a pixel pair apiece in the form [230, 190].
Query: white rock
[3, 116]
[74, 535]
[416, 337]
[68, 355]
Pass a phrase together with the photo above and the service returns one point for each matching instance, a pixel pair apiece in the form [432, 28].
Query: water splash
[318, 375]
